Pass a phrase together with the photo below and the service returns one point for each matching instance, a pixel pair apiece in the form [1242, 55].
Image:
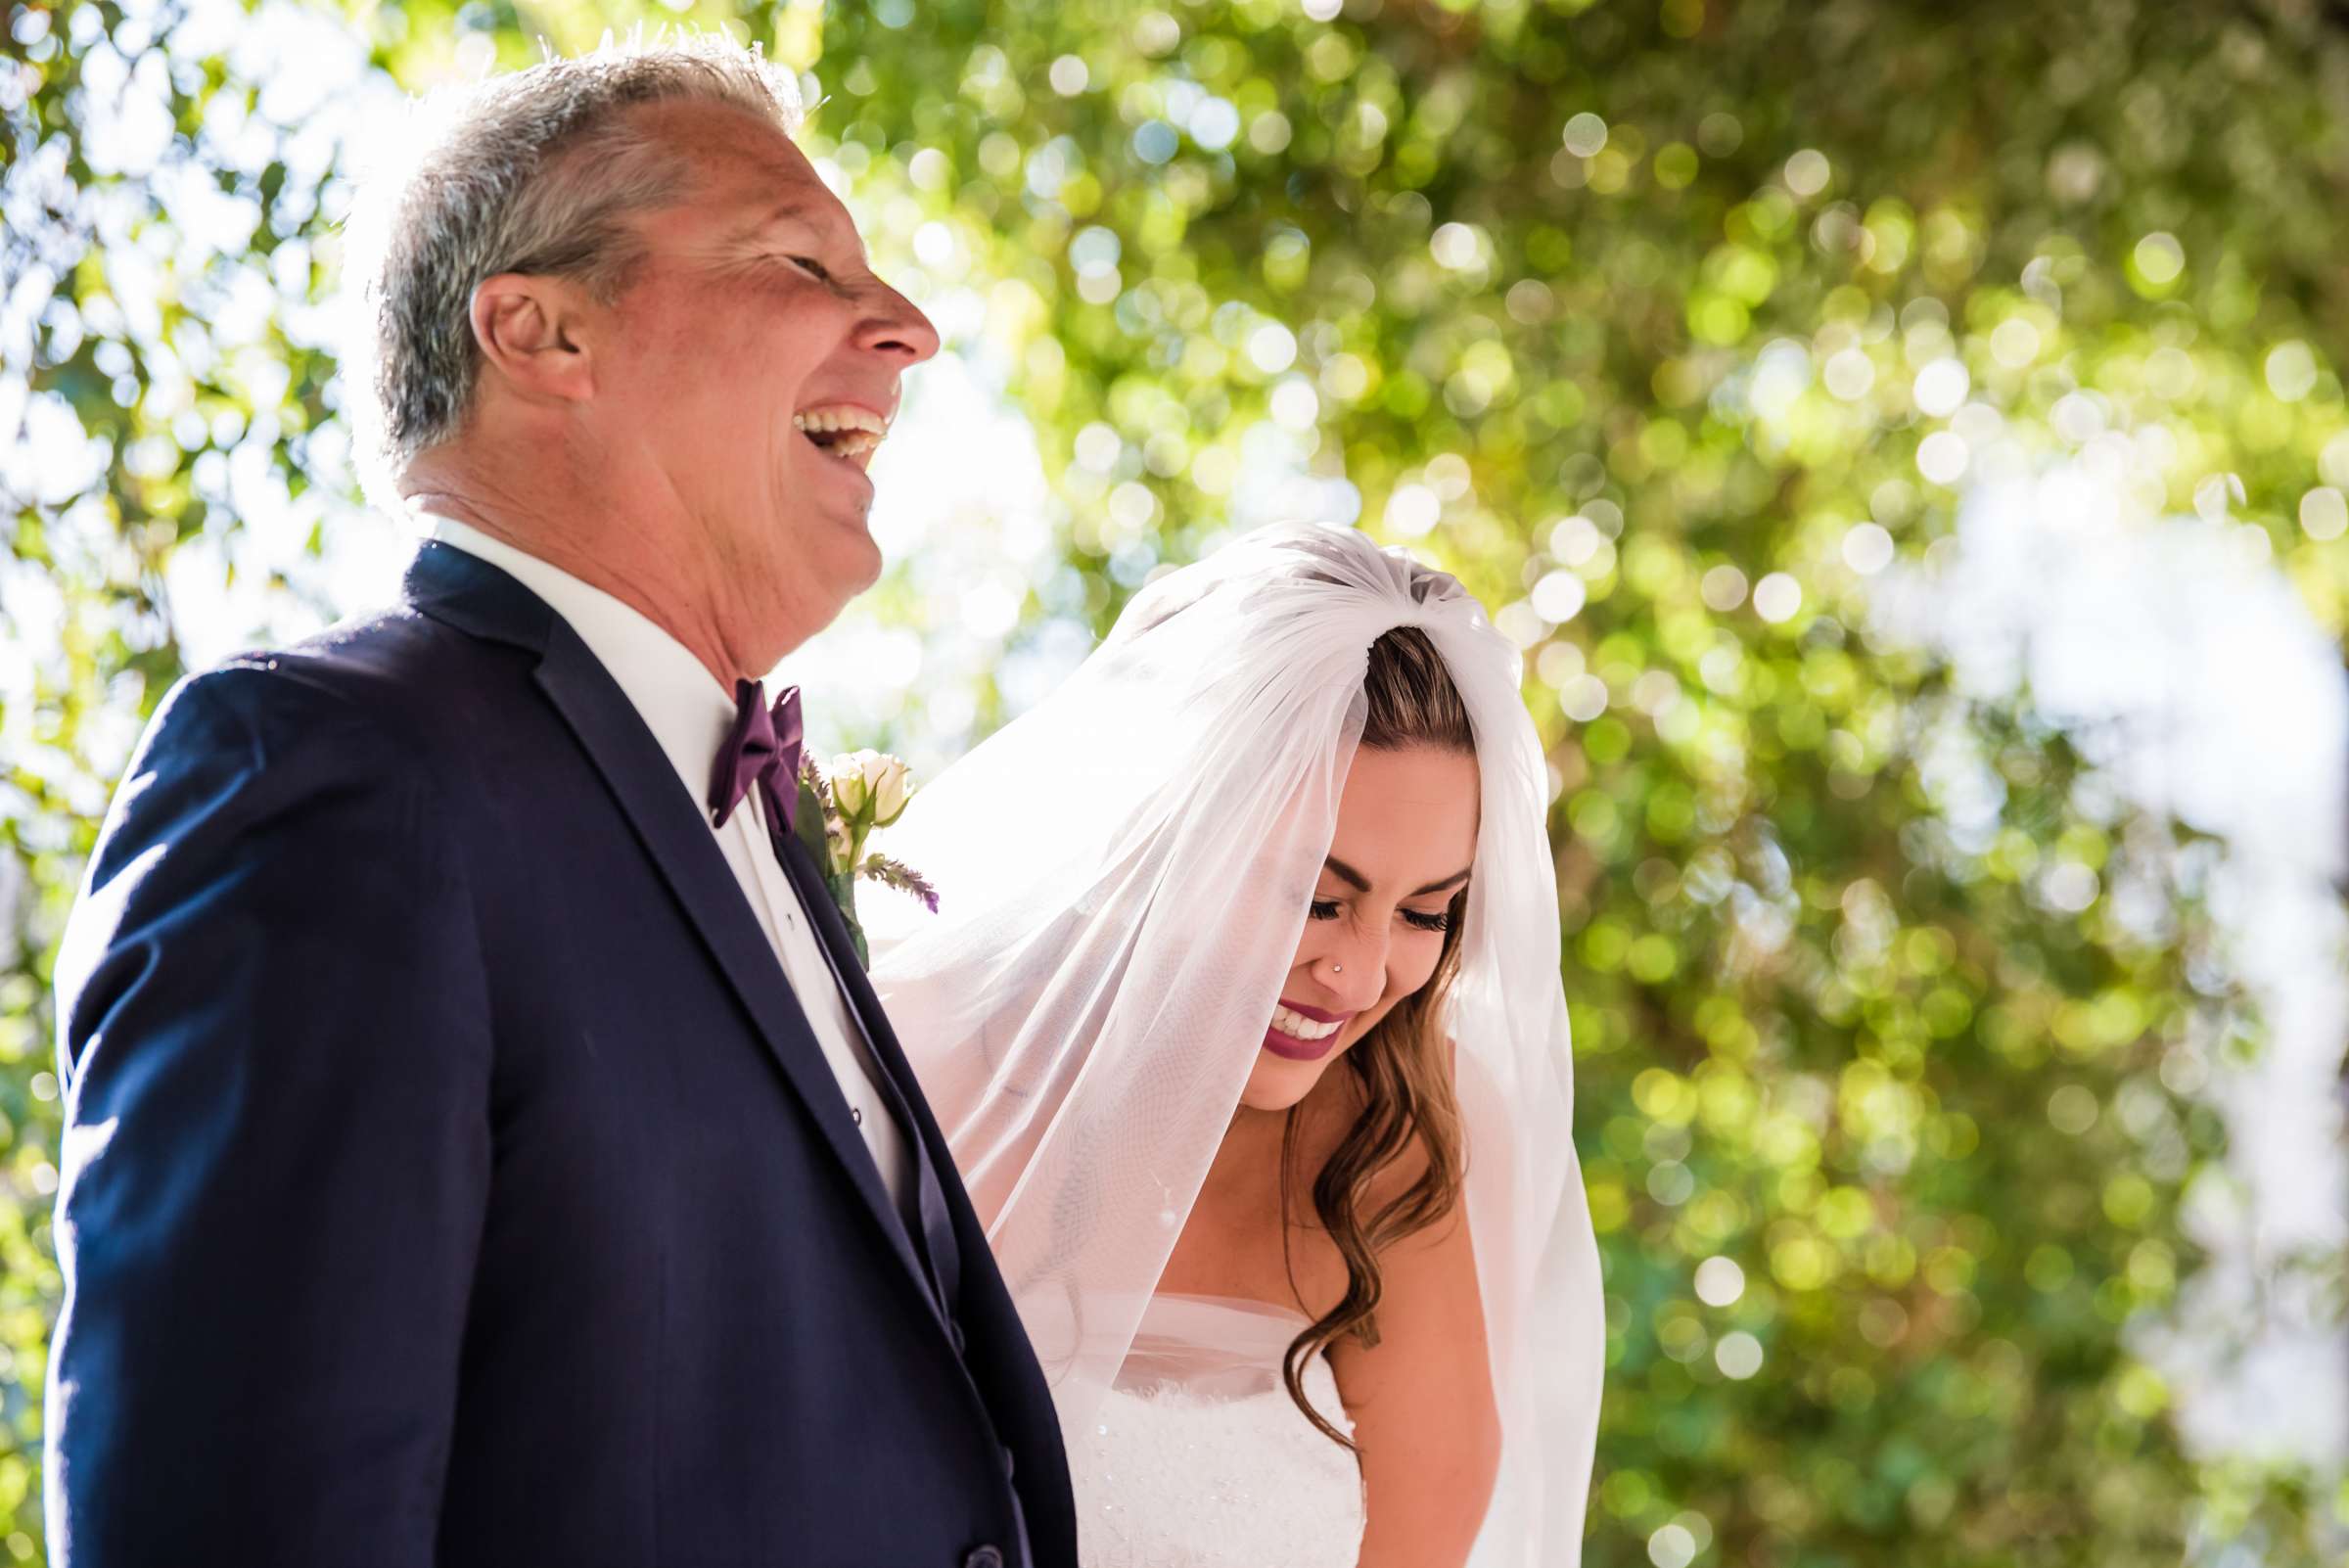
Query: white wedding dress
[1124, 876]
[1199, 1459]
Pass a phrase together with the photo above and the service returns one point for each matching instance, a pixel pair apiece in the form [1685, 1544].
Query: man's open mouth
[842, 430]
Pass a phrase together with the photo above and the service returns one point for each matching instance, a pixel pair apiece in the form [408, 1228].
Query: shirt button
[983, 1558]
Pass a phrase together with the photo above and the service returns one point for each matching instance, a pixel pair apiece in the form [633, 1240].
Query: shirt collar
[680, 700]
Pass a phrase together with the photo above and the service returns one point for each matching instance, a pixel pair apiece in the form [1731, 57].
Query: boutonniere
[840, 807]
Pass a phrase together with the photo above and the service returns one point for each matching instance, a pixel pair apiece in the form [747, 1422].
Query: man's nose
[897, 328]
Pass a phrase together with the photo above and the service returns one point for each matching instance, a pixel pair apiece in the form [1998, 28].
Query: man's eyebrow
[800, 210]
[1361, 884]
[791, 206]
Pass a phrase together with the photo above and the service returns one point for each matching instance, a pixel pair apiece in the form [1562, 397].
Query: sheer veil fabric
[1125, 873]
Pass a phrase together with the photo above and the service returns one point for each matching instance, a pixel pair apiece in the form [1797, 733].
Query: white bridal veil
[1125, 873]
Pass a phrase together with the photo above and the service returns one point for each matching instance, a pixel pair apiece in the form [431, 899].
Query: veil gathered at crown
[1125, 873]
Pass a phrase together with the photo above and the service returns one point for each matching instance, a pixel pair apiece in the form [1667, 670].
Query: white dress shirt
[690, 714]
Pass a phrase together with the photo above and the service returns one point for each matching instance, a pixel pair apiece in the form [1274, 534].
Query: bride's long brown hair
[1402, 1066]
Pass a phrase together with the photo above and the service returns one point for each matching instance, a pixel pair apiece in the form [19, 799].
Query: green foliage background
[1515, 265]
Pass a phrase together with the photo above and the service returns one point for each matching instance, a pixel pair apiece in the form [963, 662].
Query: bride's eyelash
[1328, 909]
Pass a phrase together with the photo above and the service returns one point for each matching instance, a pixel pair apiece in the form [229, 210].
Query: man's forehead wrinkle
[791, 209]
[766, 215]
[757, 189]
[825, 216]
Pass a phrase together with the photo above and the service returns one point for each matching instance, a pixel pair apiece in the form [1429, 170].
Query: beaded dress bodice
[1199, 1459]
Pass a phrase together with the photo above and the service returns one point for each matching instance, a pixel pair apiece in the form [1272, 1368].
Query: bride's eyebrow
[1361, 884]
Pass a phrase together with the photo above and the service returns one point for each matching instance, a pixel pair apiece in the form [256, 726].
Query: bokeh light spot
[1722, 588]
[2159, 259]
[1559, 597]
[2014, 343]
[1558, 664]
[1940, 387]
[1942, 457]
[1575, 540]
[1456, 248]
[1719, 1281]
[1155, 141]
[1272, 348]
[1738, 1355]
[1098, 447]
[2324, 513]
[1412, 510]
[1850, 373]
[2072, 1109]
[1808, 172]
[2291, 371]
[1269, 132]
[1583, 697]
[1294, 405]
[1670, 1184]
[1214, 124]
[1777, 598]
[1718, 134]
[1868, 548]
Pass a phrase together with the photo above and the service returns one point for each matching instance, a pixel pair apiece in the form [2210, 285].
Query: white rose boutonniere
[840, 807]
[870, 788]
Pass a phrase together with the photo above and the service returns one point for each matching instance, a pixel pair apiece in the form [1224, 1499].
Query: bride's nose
[1354, 970]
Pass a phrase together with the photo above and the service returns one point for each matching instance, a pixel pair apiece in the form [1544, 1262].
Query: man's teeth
[850, 433]
[1297, 1026]
[815, 421]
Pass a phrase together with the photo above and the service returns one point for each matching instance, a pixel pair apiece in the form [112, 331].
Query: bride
[1243, 1019]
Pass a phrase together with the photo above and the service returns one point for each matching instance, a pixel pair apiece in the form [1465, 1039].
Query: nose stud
[1337, 969]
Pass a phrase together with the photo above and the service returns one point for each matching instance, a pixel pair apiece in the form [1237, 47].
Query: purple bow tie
[761, 749]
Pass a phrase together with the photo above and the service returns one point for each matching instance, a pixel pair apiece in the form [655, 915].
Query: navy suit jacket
[451, 1176]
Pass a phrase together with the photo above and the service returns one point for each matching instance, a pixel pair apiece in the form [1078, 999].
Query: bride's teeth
[1297, 1026]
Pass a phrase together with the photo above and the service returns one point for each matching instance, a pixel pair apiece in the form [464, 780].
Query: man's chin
[861, 563]
[834, 561]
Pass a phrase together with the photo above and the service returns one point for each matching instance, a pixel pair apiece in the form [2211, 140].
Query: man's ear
[535, 334]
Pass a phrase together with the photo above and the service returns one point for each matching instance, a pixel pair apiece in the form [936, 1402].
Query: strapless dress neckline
[1199, 1459]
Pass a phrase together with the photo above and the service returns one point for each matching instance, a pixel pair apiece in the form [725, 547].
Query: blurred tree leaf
[1670, 328]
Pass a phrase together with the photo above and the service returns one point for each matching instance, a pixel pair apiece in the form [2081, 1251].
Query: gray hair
[533, 171]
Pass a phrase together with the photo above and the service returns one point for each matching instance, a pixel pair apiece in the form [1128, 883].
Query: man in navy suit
[482, 1145]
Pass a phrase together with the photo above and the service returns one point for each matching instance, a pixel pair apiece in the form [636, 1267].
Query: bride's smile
[1302, 1033]
[1388, 892]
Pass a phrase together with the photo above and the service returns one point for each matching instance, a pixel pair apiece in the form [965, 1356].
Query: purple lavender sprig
[900, 876]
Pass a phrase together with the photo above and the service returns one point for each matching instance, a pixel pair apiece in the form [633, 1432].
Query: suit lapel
[898, 1082]
[477, 597]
